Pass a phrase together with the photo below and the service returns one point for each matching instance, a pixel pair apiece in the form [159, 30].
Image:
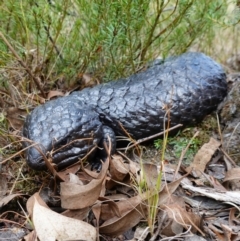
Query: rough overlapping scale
[191, 86]
[57, 123]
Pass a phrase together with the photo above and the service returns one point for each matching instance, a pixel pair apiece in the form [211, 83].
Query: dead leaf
[228, 232]
[134, 167]
[76, 196]
[7, 199]
[122, 206]
[54, 93]
[64, 175]
[168, 189]
[109, 209]
[180, 217]
[131, 210]
[79, 214]
[116, 226]
[218, 233]
[51, 226]
[31, 236]
[233, 217]
[232, 179]
[74, 179]
[31, 202]
[122, 215]
[88, 80]
[170, 227]
[118, 171]
[115, 197]
[202, 157]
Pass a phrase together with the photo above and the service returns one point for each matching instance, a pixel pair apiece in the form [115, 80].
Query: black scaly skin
[192, 85]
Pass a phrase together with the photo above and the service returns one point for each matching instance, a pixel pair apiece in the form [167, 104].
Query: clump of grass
[44, 42]
[109, 38]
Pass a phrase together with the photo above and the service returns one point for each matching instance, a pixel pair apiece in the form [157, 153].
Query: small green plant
[55, 41]
[109, 38]
[178, 143]
[181, 143]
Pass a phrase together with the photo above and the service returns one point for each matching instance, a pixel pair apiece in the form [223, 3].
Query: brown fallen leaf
[7, 199]
[217, 232]
[134, 167]
[88, 80]
[118, 171]
[118, 225]
[232, 179]
[179, 219]
[77, 196]
[116, 197]
[132, 210]
[168, 189]
[79, 214]
[229, 233]
[31, 236]
[74, 179]
[51, 226]
[64, 175]
[31, 202]
[109, 209]
[54, 93]
[202, 157]
[233, 218]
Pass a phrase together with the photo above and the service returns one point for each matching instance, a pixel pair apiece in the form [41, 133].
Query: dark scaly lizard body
[192, 85]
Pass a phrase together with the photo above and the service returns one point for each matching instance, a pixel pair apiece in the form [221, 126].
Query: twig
[23, 64]
[228, 157]
[17, 153]
[151, 137]
[53, 43]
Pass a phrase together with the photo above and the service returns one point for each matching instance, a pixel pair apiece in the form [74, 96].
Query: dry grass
[32, 63]
[23, 68]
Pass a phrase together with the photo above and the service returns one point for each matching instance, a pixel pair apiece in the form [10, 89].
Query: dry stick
[17, 153]
[53, 43]
[228, 157]
[23, 64]
[9, 221]
[150, 137]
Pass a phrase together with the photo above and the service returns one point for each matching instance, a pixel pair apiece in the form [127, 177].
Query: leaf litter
[116, 202]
